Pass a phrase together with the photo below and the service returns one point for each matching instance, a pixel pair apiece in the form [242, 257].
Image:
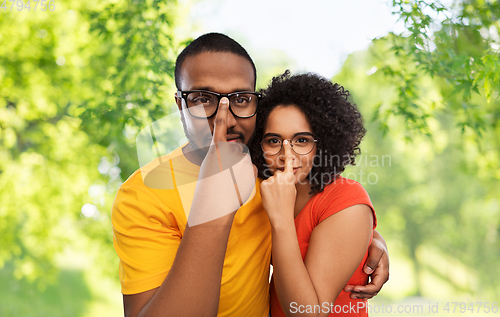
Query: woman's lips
[295, 169]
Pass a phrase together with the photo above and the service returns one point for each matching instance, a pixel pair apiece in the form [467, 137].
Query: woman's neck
[302, 197]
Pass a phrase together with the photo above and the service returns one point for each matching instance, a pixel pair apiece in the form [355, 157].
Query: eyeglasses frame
[185, 93]
[291, 145]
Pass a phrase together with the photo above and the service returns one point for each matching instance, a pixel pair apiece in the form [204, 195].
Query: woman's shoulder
[338, 195]
[342, 186]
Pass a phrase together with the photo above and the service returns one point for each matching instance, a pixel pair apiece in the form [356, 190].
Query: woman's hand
[278, 192]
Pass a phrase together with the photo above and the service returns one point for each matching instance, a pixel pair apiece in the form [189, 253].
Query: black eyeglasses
[204, 104]
[301, 144]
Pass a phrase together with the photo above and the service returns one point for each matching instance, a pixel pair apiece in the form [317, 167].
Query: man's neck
[193, 154]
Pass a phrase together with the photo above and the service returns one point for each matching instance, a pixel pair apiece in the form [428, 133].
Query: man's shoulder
[150, 190]
[157, 174]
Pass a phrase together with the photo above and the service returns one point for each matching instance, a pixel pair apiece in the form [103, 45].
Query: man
[176, 257]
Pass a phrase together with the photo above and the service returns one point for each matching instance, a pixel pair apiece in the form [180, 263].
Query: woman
[322, 223]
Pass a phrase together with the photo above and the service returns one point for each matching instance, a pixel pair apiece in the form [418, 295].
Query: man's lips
[233, 138]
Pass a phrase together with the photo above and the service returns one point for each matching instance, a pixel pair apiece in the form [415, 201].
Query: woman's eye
[304, 141]
[274, 141]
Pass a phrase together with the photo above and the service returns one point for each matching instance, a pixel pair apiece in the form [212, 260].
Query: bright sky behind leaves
[317, 34]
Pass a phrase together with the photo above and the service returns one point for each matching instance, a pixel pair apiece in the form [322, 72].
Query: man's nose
[230, 120]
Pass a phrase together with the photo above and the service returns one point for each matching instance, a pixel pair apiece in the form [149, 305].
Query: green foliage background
[79, 82]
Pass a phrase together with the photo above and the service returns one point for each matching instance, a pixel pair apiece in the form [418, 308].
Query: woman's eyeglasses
[301, 144]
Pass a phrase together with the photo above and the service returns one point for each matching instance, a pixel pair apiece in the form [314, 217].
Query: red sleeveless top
[338, 195]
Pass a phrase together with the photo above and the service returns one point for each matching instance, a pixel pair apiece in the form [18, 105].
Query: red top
[339, 195]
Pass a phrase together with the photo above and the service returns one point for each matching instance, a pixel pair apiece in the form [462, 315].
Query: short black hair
[211, 42]
[334, 119]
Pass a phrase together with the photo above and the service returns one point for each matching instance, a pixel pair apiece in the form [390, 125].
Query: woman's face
[287, 122]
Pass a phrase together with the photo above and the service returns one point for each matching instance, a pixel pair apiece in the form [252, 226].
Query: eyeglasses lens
[204, 104]
[301, 145]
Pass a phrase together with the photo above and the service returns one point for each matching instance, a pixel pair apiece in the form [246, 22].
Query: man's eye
[201, 100]
[241, 100]
[204, 101]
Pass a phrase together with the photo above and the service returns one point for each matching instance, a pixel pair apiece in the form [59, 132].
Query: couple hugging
[201, 244]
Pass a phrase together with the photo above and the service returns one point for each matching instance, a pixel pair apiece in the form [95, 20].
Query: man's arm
[377, 265]
[192, 286]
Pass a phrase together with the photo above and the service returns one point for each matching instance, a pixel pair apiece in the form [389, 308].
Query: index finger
[288, 157]
[220, 122]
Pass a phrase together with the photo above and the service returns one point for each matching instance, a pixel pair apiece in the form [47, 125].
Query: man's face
[220, 72]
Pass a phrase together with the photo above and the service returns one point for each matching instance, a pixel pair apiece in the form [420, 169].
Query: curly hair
[334, 119]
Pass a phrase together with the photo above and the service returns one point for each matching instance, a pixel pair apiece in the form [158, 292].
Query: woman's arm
[336, 247]
[332, 257]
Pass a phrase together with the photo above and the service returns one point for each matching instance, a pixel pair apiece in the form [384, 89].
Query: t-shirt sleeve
[341, 194]
[145, 237]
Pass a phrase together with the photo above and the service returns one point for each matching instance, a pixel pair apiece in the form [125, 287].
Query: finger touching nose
[230, 119]
[286, 150]
[289, 157]
[220, 124]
